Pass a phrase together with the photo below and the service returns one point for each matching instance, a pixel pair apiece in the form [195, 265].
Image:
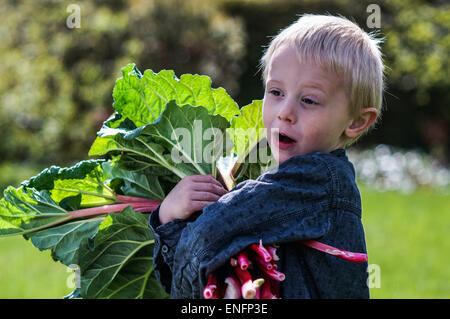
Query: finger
[204, 179]
[209, 187]
[204, 196]
[215, 181]
[200, 178]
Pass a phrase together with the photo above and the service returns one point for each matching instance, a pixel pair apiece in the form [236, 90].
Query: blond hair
[342, 47]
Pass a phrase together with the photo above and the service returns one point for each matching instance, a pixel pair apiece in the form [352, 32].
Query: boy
[323, 79]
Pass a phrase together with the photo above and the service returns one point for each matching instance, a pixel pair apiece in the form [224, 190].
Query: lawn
[26, 272]
[407, 237]
[407, 240]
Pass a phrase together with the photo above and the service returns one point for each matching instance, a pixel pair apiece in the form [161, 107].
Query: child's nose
[287, 111]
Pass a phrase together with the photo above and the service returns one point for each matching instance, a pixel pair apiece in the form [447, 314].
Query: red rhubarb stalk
[266, 292]
[145, 209]
[243, 260]
[211, 286]
[273, 252]
[344, 254]
[233, 290]
[261, 262]
[106, 209]
[274, 274]
[274, 288]
[249, 286]
[258, 293]
[132, 199]
[261, 250]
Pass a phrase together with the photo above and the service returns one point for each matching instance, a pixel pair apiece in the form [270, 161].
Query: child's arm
[167, 222]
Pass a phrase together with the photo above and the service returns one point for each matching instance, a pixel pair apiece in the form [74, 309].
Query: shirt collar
[340, 152]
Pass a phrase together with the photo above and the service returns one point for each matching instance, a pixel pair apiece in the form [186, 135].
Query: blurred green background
[56, 90]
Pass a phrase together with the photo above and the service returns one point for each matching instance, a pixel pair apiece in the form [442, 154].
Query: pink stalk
[243, 260]
[249, 286]
[211, 286]
[258, 293]
[132, 199]
[105, 209]
[233, 290]
[262, 251]
[340, 253]
[261, 262]
[275, 274]
[145, 209]
[243, 275]
[266, 292]
[137, 203]
[273, 252]
[274, 288]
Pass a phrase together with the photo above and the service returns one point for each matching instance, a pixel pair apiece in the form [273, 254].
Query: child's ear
[367, 117]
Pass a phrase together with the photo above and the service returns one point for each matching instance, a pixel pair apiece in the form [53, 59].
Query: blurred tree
[57, 81]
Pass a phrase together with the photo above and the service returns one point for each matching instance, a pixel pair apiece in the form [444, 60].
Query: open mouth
[285, 142]
[283, 138]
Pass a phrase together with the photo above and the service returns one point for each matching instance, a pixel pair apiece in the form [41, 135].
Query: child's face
[305, 103]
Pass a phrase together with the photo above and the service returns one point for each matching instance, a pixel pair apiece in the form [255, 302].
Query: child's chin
[282, 157]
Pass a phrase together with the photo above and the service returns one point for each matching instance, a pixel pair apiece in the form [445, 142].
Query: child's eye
[309, 101]
[275, 92]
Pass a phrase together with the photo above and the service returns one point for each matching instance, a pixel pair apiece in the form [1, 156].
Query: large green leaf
[118, 263]
[39, 217]
[25, 210]
[40, 209]
[64, 240]
[84, 178]
[142, 98]
[250, 155]
[181, 140]
[134, 184]
[46, 178]
[247, 129]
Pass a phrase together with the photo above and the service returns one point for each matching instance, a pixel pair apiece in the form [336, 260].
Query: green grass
[407, 237]
[26, 272]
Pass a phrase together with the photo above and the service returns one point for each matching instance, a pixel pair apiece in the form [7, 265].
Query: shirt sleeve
[166, 239]
[289, 204]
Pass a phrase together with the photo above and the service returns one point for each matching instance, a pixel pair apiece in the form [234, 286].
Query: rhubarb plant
[94, 213]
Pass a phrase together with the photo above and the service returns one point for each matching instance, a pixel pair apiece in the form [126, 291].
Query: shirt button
[164, 249]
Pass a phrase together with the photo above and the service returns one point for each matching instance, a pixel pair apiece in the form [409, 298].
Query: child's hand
[191, 194]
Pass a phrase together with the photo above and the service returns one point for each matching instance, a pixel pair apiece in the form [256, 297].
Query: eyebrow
[312, 85]
[315, 85]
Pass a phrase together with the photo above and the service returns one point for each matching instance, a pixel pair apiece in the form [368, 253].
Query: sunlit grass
[26, 272]
[407, 236]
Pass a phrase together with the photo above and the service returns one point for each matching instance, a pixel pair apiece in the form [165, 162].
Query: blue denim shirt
[312, 196]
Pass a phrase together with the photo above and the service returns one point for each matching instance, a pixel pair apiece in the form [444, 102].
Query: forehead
[286, 64]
